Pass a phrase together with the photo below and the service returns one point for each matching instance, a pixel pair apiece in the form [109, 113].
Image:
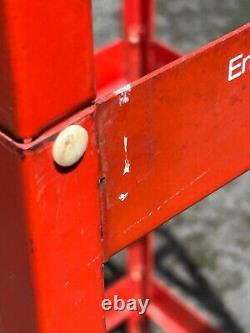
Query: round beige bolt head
[70, 145]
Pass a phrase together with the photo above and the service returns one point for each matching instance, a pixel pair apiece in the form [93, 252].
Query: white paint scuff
[125, 140]
[123, 196]
[124, 94]
[126, 167]
[126, 160]
[92, 261]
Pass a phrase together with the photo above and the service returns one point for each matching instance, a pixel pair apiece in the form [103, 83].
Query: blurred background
[204, 253]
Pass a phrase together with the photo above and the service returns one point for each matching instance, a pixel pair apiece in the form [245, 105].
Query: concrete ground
[208, 257]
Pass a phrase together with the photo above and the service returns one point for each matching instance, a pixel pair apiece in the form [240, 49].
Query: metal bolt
[70, 145]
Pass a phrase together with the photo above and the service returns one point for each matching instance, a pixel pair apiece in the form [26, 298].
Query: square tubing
[50, 238]
[46, 63]
[139, 26]
[52, 279]
[140, 269]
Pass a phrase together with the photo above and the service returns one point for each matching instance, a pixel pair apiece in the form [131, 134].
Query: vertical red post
[140, 268]
[51, 277]
[139, 26]
[46, 63]
[50, 239]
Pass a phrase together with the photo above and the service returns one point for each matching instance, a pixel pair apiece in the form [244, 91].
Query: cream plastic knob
[70, 145]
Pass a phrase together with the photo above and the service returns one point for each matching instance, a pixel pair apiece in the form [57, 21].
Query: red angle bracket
[174, 136]
[156, 146]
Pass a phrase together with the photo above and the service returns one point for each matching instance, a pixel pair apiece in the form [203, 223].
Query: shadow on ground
[195, 285]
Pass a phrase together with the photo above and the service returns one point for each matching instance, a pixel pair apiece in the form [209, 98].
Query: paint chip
[123, 196]
[126, 161]
[123, 94]
[126, 167]
[125, 140]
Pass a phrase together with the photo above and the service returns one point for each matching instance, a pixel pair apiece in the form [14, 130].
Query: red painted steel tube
[139, 32]
[140, 269]
[136, 284]
[46, 63]
[50, 239]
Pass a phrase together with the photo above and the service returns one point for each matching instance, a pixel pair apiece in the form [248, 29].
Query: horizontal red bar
[172, 315]
[173, 137]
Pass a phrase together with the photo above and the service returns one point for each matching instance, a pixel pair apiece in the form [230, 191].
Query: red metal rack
[180, 122]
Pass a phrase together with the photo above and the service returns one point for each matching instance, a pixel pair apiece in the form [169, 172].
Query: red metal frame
[199, 144]
[139, 35]
[183, 128]
[50, 281]
[47, 63]
[167, 310]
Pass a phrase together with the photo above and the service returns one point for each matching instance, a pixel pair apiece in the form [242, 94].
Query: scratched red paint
[188, 132]
[47, 63]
